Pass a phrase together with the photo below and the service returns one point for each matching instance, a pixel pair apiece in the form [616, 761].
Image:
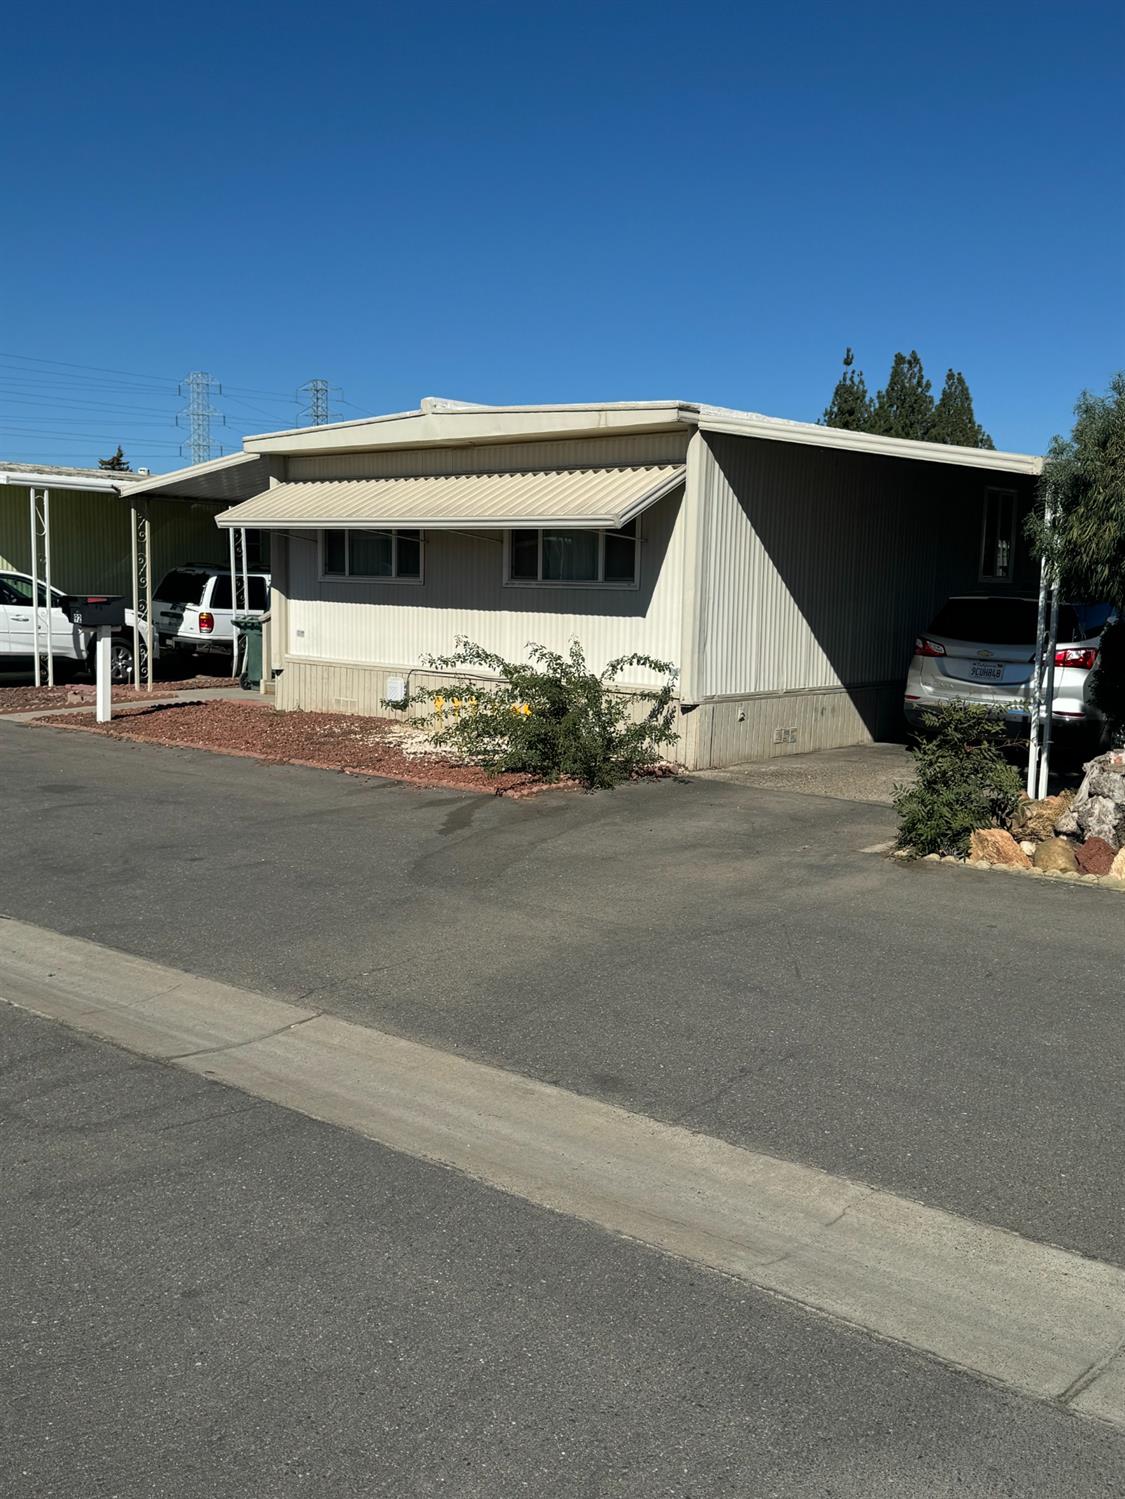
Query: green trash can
[249, 627]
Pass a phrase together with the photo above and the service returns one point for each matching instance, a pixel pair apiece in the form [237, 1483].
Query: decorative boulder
[1102, 818]
[997, 847]
[1056, 854]
[1037, 819]
[1095, 856]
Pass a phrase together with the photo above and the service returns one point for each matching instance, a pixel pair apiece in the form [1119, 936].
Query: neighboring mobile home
[784, 568]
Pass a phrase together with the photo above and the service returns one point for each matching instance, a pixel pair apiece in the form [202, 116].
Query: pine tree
[954, 420]
[850, 406]
[906, 407]
[118, 464]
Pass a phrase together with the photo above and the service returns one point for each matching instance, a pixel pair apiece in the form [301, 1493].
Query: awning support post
[142, 593]
[39, 526]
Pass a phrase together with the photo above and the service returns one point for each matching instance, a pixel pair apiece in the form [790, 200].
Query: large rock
[1102, 818]
[1107, 783]
[1037, 819]
[997, 846]
[1056, 854]
[1095, 856]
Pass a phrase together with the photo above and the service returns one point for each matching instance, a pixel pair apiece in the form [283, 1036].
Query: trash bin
[249, 627]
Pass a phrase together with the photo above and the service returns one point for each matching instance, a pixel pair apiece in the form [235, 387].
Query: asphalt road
[208, 1296]
[708, 953]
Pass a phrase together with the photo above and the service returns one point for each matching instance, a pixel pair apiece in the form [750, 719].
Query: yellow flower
[439, 703]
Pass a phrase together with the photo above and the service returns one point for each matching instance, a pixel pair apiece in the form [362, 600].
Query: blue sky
[514, 203]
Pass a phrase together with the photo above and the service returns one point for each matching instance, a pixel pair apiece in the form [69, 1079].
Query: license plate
[986, 671]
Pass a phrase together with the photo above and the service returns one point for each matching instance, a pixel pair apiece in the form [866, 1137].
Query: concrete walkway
[861, 773]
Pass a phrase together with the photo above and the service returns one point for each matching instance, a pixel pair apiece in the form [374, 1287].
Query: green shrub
[550, 716]
[963, 781]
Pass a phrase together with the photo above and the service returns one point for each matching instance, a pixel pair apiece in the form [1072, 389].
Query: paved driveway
[861, 773]
[708, 952]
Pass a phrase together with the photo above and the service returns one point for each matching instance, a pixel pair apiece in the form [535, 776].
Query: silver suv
[982, 650]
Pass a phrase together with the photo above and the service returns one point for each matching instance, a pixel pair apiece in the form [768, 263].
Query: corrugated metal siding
[394, 624]
[646, 447]
[582, 496]
[819, 568]
[90, 538]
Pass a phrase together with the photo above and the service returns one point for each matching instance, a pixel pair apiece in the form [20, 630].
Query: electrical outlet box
[785, 736]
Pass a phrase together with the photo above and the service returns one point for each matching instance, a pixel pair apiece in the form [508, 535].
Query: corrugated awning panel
[588, 497]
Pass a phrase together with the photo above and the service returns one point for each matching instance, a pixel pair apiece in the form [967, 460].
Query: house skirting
[718, 732]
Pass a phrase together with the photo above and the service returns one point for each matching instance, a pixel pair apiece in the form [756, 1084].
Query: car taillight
[1081, 656]
[206, 622]
[924, 647]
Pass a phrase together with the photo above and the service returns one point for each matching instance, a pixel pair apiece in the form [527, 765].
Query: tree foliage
[905, 407]
[117, 463]
[1083, 484]
[962, 781]
[550, 716]
[850, 407]
[954, 420]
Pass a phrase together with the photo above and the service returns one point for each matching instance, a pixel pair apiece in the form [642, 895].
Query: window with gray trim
[371, 554]
[571, 556]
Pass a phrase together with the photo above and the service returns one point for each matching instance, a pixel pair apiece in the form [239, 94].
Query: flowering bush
[550, 716]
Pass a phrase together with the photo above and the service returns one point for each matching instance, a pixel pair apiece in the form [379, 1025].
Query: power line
[66, 364]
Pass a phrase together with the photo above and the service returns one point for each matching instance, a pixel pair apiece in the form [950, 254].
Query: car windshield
[181, 587]
[1014, 621]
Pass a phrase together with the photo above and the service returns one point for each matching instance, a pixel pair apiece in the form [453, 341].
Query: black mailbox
[92, 610]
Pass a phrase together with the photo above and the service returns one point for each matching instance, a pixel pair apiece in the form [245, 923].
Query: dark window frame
[394, 576]
[630, 531]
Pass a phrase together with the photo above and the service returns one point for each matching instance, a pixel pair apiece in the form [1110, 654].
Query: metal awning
[581, 498]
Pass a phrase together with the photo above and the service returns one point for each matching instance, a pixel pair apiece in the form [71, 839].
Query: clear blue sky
[522, 203]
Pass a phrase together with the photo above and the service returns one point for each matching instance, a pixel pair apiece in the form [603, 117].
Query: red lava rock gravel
[323, 741]
[72, 695]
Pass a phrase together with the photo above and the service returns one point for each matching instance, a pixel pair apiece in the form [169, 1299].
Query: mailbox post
[102, 613]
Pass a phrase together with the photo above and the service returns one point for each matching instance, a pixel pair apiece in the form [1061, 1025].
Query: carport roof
[595, 498]
[222, 480]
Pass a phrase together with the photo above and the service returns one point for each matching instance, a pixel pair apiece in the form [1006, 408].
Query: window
[371, 554]
[998, 538]
[20, 591]
[607, 557]
[181, 587]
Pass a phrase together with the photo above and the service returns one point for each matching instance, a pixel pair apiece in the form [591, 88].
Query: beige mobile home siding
[366, 625]
[817, 570]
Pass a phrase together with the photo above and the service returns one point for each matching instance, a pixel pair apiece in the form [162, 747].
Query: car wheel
[120, 660]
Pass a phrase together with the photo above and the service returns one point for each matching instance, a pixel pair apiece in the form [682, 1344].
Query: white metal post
[103, 678]
[47, 583]
[1049, 692]
[34, 526]
[245, 574]
[149, 641]
[233, 631]
[135, 521]
[1036, 705]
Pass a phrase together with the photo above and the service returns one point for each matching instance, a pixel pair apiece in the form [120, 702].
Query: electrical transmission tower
[315, 411]
[199, 387]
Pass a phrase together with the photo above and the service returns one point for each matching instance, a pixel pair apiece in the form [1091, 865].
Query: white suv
[193, 608]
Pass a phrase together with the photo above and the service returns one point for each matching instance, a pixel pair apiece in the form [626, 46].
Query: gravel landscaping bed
[325, 741]
[74, 694]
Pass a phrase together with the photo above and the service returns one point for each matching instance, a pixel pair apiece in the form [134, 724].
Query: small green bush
[551, 716]
[963, 781]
